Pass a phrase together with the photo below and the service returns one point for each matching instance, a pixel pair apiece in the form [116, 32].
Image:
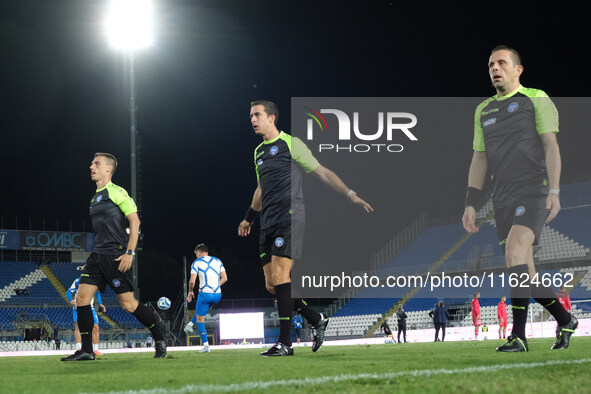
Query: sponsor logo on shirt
[279, 242]
[488, 122]
[99, 198]
[513, 107]
[520, 210]
[273, 151]
[259, 162]
[490, 111]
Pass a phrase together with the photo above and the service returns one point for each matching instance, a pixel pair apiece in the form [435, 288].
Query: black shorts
[102, 269]
[283, 240]
[387, 331]
[529, 212]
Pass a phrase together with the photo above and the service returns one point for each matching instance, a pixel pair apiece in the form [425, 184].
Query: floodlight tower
[129, 28]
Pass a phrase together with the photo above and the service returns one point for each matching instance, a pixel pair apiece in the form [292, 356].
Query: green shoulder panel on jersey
[256, 169]
[302, 154]
[478, 143]
[546, 112]
[119, 196]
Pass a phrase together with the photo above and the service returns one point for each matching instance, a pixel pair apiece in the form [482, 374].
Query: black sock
[519, 299]
[310, 314]
[85, 324]
[284, 307]
[148, 318]
[545, 296]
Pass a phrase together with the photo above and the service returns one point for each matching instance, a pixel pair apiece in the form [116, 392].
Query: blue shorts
[205, 301]
[94, 315]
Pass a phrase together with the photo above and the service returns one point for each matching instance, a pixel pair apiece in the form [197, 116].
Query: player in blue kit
[212, 275]
[71, 294]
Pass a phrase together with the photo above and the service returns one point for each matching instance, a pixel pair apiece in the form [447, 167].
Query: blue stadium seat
[570, 229]
[67, 273]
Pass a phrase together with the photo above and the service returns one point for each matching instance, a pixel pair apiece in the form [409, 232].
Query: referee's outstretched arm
[333, 180]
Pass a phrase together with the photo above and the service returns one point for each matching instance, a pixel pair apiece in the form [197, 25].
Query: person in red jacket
[476, 313]
[502, 315]
[564, 299]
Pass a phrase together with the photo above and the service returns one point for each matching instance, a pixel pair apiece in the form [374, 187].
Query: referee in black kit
[111, 208]
[515, 143]
[279, 199]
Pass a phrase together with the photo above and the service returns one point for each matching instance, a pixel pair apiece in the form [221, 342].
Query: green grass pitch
[443, 367]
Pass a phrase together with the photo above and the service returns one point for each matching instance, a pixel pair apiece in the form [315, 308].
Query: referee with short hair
[280, 200]
[111, 208]
[515, 142]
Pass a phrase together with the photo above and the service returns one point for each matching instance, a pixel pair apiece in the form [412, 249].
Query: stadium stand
[446, 248]
[364, 306]
[424, 250]
[61, 317]
[124, 319]
[11, 346]
[20, 275]
[28, 275]
[350, 325]
[67, 273]
[564, 247]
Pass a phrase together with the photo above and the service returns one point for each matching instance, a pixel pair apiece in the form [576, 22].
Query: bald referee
[111, 209]
[280, 200]
[515, 141]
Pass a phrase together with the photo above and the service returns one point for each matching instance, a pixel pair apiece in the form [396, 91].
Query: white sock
[205, 344]
[190, 324]
[78, 345]
[94, 347]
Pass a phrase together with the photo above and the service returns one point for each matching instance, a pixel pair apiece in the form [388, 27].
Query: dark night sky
[64, 96]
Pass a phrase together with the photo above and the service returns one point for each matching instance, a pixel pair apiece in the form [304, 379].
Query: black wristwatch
[131, 252]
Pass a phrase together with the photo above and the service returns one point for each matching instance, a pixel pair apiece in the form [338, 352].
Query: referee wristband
[350, 193]
[555, 191]
[472, 197]
[251, 214]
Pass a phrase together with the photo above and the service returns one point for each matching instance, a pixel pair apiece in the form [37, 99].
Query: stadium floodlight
[129, 24]
[129, 28]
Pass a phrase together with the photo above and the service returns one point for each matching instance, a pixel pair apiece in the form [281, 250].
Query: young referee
[111, 208]
[280, 200]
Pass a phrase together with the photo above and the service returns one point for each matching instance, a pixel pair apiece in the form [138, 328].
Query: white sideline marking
[208, 388]
[344, 342]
